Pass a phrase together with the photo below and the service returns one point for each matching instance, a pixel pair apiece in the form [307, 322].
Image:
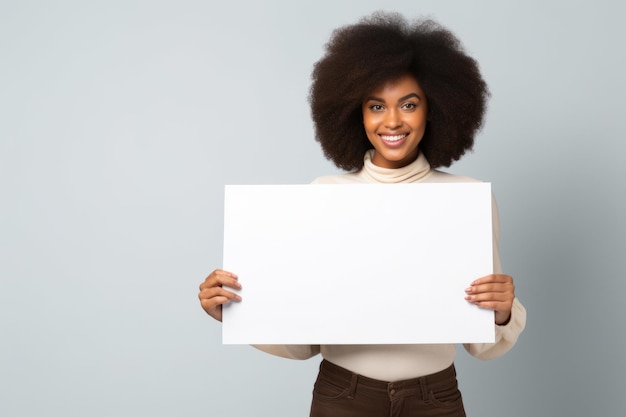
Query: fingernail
[468, 289]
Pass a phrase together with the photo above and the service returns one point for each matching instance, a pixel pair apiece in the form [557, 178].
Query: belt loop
[352, 390]
[424, 389]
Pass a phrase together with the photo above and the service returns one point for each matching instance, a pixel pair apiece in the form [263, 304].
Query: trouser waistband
[419, 384]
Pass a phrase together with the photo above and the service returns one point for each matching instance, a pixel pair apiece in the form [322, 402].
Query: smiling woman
[362, 58]
[391, 102]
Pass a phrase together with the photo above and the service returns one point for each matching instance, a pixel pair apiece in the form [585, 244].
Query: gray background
[121, 121]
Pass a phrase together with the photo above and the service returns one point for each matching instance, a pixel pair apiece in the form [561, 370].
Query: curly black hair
[383, 47]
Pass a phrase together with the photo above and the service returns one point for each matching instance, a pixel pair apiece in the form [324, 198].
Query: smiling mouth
[393, 138]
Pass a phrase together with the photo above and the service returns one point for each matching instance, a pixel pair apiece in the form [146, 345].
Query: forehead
[400, 86]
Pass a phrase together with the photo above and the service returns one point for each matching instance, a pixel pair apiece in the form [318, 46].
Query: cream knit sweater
[397, 362]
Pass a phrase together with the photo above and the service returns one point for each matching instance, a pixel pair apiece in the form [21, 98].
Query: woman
[392, 101]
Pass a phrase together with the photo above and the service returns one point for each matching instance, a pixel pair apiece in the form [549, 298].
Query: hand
[495, 292]
[213, 295]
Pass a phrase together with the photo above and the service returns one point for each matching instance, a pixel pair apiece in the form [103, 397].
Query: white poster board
[357, 264]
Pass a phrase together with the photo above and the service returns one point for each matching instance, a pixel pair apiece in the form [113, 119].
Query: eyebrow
[400, 99]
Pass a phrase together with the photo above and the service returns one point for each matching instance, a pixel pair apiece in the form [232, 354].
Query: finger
[502, 278]
[225, 273]
[502, 308]
[496, 306]
[494, 282]
[491, 305]
[489, 297]
[492, 287]
[219, 278]
[221, 272]
[214, 303]
[218, 292]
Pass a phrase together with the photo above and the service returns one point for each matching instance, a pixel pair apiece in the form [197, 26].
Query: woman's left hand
[495, 292]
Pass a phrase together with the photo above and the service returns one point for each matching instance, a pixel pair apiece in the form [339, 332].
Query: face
[394, 117]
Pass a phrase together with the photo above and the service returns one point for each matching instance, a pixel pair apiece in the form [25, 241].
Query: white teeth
[392, 138]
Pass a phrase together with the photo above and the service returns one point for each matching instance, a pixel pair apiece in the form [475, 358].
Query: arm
[497, 292]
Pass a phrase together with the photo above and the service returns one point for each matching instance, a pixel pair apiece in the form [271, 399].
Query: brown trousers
[341, 393]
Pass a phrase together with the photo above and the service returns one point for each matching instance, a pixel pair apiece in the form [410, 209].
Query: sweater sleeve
[506, 335]
[290, 351]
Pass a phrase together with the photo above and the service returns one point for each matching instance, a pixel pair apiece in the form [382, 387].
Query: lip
[393, 140]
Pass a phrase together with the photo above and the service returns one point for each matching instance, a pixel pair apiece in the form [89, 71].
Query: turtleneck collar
[416, 171]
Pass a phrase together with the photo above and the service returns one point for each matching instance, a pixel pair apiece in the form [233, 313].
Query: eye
[376, 107]
[409, 106]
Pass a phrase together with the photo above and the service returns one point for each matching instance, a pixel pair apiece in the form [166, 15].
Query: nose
[392, 119]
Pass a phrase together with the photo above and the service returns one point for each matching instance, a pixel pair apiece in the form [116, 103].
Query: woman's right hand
[213, 295]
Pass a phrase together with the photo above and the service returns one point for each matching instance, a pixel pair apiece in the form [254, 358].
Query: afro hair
[383, 47]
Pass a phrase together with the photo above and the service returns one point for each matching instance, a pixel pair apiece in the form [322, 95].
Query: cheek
[419, 122]
[370, 133]
[370, 124]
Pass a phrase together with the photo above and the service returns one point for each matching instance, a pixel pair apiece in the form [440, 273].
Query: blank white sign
[357, 264]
